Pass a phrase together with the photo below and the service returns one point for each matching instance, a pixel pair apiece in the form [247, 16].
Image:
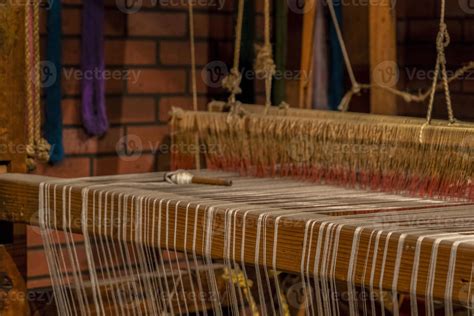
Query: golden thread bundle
[376, 152]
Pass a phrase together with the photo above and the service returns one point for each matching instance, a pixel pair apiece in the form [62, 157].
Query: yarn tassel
[94, 113]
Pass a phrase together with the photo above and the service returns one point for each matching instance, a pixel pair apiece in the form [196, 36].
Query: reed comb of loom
[384, 153]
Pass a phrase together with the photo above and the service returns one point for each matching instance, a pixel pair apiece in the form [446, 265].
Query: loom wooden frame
[19, 203]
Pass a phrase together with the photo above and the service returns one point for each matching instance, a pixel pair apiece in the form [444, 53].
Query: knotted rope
[442, 41]
[264, 64]
[232, 81]
[37, 147]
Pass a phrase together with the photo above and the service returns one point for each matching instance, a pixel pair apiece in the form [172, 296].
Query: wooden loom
[19, 197]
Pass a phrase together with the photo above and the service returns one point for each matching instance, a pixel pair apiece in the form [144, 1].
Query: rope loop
[443, 39]
[264, 64]
[232, 82]
[42, 150]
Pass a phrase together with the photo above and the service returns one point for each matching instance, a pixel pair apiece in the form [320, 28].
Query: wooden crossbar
[19, 203]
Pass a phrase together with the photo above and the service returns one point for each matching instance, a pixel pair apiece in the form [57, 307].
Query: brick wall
[153, 46]
[418, 23]
[153, 43]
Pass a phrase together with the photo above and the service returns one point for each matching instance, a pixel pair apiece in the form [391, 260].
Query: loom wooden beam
[12, 148]
[19, 203]
[383, 56]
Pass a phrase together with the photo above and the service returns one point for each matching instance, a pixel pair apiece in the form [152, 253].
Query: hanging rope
[232, 81]
[37, 147]
[264, 64]
[193, 77]
[441, 43]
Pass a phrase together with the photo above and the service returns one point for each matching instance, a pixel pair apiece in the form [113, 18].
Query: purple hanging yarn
[94, 114]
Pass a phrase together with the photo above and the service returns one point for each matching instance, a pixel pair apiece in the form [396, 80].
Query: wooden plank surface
[19, 203]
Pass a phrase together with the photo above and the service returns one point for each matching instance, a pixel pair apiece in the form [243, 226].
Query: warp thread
[94, 113]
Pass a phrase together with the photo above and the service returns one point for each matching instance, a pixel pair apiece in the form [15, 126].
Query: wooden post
[281, 33]
[383, 56]
[12, 144]
[307, 51]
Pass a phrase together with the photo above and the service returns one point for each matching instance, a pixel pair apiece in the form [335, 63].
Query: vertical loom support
[307, 52]
[12, 145]
[383, 56]
[281, 36]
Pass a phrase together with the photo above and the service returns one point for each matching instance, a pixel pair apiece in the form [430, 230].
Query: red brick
[71, 111]
[71, 81]
[455, 8]
[468, 83]
[427, 30]
[71, 51]
[120, 52]
[469, 30]
[115, 165]
[151, 137]
[38, 266]
[114, 22]
[131, 109]
[178, 53]
[34, 238]
[42, 22]
[157, 24]
[139, 4]
[70, 167]
[214, 26]
[201, 83]
[38, 283]
[186, 103]
[71, 21]
[77, 142]
[420, 8]
[158, 81]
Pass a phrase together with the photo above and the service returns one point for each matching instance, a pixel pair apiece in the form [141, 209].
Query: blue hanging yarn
[51, 80]
[336, 64]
